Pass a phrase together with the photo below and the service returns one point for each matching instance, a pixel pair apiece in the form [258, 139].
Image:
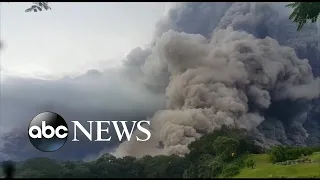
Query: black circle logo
[48, 131]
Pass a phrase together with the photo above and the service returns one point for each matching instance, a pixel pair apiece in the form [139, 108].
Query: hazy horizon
[73, 37]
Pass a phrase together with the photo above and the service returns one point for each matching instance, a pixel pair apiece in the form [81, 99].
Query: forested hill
[225, 153]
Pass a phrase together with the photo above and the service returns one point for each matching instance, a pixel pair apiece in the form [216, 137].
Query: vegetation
[38, 6]
[225, 153]
[266, 169]
[251, 163]
[303, 11]
[219, 154]
[282, 153]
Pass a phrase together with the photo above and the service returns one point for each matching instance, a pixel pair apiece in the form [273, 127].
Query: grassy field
[265, 169]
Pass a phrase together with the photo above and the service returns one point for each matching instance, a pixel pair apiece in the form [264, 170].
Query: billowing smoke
[236, 77]
[212, 83]
[239, 64]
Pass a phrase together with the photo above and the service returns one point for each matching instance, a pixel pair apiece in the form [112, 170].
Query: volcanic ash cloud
[213, 82]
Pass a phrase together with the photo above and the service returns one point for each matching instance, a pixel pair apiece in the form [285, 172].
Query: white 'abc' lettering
[64, 135]
[43, 131]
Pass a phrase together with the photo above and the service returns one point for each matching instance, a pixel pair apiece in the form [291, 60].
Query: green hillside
[264, 168]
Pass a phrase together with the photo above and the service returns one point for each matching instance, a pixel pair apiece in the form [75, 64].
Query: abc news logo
[48, 131]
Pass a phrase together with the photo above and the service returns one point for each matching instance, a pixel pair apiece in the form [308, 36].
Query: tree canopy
[220, 154]
[304, 11]
[38, 6]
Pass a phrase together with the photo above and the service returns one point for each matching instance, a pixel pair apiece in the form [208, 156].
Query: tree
[210, 168]
[251, 163]
[220, 154]
[40, 168]
[38, 6]
[9, 169]
[278, 154]
[231, 170]
[283, 153]
[303, 11]
[225, 147]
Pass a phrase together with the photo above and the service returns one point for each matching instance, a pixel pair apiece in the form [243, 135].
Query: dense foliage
[283, 153]
[251, 163]
[221, 154]
[38, 6]
[217, 154]
[303, 11]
